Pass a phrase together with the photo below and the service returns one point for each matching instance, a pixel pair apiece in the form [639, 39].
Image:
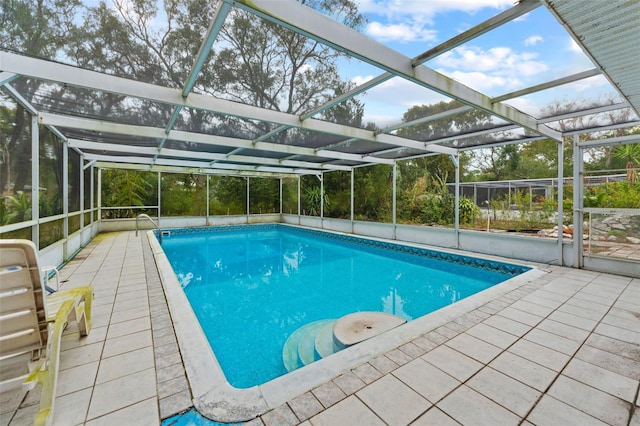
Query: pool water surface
[252, 286]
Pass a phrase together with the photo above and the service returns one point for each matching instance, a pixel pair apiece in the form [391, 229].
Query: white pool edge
[215, 398]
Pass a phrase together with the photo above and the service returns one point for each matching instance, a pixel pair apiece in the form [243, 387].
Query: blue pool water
[252, 286]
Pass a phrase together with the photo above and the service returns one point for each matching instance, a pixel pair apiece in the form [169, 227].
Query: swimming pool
[251, 287]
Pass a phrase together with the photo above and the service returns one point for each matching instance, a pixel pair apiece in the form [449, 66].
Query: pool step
[300, 348]
[324, 343]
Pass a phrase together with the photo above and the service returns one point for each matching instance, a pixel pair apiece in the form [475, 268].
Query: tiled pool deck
[562, 349]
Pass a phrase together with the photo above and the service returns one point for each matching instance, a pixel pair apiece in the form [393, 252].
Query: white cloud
[400, 32]
[385, 103]
[588, 84]
[502, 61]
[574, 47]
[533, 40]
[485, 82]
[405, 20]
[426, 10]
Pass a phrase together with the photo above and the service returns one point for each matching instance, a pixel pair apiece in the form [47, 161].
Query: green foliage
[264, 195]
[183, 194]
[228, 195]
[127, 188]
[18, 208]
[623, 195]
[313, 200]
[468, 211]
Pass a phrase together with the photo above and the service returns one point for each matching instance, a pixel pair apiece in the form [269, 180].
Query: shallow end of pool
[215, 398]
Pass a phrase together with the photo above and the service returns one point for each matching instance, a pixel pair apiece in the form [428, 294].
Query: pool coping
[215, 398]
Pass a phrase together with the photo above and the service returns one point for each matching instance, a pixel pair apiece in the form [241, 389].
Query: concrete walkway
[563, 349]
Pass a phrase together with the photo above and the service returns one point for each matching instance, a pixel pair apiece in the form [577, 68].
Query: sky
[530, 50]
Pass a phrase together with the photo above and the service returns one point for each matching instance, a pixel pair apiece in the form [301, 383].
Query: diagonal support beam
[291, 14]
[7, 77]
[524, 6]
[217, 22]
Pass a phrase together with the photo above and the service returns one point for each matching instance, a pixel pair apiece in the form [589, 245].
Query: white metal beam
[46, 70]
[196, 165]
[206, 156]
[174, 169]
[621, 140]
[582, 113]
[604, 128]
[158, 133]
[548, 85]
[294, 15]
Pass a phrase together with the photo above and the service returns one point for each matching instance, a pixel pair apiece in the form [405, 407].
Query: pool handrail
[157, 225]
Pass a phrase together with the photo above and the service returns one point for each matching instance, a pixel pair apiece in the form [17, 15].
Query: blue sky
[530, 50]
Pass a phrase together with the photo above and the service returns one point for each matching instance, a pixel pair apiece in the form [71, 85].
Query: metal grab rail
[146, 216]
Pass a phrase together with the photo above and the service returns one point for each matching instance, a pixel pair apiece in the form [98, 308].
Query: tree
[266, 65]
[631, 154]
[39, 28]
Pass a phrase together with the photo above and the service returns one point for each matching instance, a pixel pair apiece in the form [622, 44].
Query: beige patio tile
[122, 392]
[564, 330]
[551, 412]
[427, 380]
[127, 343]
[469, 407]
[128, 327]
[280, 416]
[393, 401]
[130, 303]
[10, 400]
[452, 362]
[175, 403]
[523, 370]
[553, 341]
[521, 316]
[329, 394]
[509, 393]
[25, 416]
[80, 355]
[130, 314]
[596, 307]
[627, 367]
[71, 409]
[349, 383]
[434, 417]
[542, 355]
[367, 373]
[532, 308]
[618, 333]
[142, 413]
[615, 346]
[71, 340]
[474, 347]
[350, 411]
[75, 378]
[600, 405]
[305, 406]
[124, 364]
[573, 320]
[383, 364]
[492, 335]
[507, 325]
[602, 379]
[539, 299]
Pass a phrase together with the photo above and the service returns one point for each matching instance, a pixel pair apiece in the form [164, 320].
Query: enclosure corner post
[560, 200]
[393, 202]
[578, 172]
